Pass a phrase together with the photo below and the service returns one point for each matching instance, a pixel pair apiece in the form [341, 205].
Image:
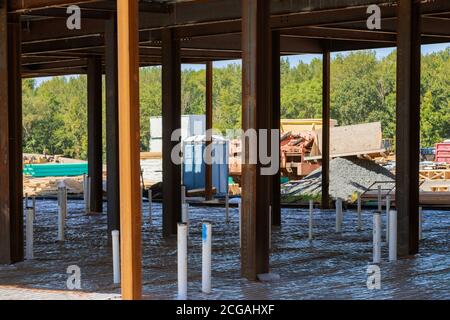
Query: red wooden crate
[445, 146]
[443, 159]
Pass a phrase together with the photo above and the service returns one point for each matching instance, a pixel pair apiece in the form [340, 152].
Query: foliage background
[363, 89]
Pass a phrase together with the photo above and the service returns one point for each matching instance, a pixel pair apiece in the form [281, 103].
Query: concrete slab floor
[332, 266]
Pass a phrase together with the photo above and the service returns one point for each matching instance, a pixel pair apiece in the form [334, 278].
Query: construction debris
[347, 177]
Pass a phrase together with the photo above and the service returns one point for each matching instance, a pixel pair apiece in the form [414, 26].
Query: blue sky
[294, 60]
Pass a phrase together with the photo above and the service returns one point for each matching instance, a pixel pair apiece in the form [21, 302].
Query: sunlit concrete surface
[332, 266]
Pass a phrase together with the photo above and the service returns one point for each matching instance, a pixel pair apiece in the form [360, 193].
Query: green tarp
[56, 170]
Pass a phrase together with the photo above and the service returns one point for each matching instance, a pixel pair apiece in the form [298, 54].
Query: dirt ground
[330, 267]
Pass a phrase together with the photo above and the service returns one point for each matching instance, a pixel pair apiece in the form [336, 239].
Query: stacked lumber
[46, 187]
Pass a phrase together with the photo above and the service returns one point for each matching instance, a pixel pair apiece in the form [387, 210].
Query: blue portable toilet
[194, 167]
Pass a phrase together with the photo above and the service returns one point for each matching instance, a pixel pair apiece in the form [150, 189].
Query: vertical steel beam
[209, 125]
[276, 115]
[171, 120]
[256, 108]
[95, 151]
[5, 206]
[15, 139]
[408, 126]
[129, 147]
[326, 130]
[112, 124]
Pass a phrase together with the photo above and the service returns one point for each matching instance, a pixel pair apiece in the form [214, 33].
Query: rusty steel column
[171, 121]
[326, 130]
[408, 126]
[256, 106]
[129, 147]
[276, 115]
[209, 125]
[112, 125]
[11, 163]
[5, 207]
[15, 139]
[95, 150]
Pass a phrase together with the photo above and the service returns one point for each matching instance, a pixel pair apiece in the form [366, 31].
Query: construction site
[351, 213]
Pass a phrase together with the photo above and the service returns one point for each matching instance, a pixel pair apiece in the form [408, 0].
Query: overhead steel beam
[24, 6]
[342, 34]
[171, 121]
[408, 127]
[129, 147]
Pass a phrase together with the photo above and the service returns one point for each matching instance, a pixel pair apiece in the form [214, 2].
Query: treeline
[363, 89]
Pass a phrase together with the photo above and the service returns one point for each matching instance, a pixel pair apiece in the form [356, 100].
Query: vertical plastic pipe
[182, 261]
[62, 203]
[150, 204]
[388, 209]
[420, 223]
[116, 256]
[311, 208]
[206, 257]
[380, 205]
[185, 213]
[88, 194]
[29, 255]
[359, 212]
[339, 215]
[227, 208]
[26, 200]
[142, 198]
[392, 235]
[34, 208]
[377, 237]
[84, 190]
[183, 194]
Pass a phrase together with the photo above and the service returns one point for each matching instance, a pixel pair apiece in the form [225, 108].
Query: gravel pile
[347, 176]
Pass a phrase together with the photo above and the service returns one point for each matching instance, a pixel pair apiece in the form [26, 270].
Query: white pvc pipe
[88, 194]
[380, 205]
[29, 255]
[240, 224]
[339, 215]
[359, 212]
[227, 208]
[206, 257]
[116, 256]
[150, 204]
[185, 213]
[311, 208]
[420, 223]
[388, 209]
[142, 198]
[183, 194]
[34, 208]
[62, 204]
[182, 261]
[392, 235]
[85, 191]
[377, 237]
